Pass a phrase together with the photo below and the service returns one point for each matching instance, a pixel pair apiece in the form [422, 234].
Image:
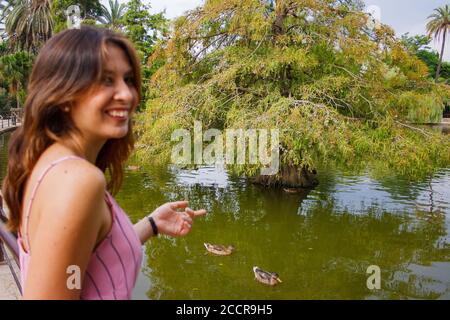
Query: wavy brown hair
[68, 66]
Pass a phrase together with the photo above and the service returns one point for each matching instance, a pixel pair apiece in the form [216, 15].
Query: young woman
[83, 90]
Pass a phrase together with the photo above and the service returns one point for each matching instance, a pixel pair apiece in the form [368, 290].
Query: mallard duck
[269, 278]
[219, 249]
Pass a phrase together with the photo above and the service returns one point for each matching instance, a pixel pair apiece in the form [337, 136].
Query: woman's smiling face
[105, 111]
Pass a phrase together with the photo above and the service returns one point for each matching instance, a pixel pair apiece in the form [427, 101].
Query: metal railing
[8, 121]
[11, 118]
[8, 239]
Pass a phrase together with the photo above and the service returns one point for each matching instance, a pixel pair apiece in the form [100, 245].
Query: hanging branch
[426, 134]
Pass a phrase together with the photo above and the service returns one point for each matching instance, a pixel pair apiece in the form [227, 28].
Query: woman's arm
[169, 221]
[143, 230]
[71, 198]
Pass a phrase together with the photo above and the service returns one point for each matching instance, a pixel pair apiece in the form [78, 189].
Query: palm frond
[113, 15]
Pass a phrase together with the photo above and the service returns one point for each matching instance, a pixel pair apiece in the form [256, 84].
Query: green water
[320, 242]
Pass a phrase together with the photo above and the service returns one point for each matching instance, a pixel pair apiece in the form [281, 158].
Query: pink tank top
[115, 263]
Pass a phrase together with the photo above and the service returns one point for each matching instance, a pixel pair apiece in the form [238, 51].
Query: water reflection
[4, 138]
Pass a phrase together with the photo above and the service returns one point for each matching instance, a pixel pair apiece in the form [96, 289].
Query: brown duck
[269, 278]
[219, 250]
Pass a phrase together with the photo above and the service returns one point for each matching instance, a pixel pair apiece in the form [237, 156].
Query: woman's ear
[67, 107]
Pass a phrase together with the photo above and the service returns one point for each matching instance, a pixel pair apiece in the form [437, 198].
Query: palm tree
[112, 17]
[5, 7]
[29, 24]
[439, 25]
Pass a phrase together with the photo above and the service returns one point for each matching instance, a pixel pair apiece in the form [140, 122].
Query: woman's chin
[118, 134]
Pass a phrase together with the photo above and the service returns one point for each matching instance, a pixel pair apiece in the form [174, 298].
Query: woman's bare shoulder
[72, 182]
[76, 171]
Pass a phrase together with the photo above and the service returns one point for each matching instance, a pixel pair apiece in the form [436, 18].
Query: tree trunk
[290, 177]
[280, 16]
[438, 70]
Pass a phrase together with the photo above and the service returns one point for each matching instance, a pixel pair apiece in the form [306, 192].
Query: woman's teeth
[117, 113]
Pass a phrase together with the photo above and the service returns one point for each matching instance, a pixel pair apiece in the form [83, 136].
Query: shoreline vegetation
[341, 88]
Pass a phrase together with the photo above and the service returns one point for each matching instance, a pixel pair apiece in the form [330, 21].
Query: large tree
[438, 27]
[142, 27]
[337, 89]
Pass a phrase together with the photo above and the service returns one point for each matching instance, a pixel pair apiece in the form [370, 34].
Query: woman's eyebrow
[128, 73]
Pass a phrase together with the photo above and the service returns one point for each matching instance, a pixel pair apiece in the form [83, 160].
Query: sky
[409, 16]
[403, 15]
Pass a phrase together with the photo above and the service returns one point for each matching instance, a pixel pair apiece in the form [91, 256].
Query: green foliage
[142, 27]
[3, 48]
[5, 101]
[419, 45]
[422, 108]
[14, 71]
[416, 43]
[336, 90]
[145, 30]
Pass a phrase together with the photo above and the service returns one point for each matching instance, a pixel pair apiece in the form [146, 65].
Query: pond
[320, 241]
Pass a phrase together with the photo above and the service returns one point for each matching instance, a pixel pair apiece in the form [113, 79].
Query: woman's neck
[88, 150]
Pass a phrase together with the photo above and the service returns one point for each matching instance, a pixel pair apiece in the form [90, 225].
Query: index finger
[197, 213]
[179, 205]
[200, 212]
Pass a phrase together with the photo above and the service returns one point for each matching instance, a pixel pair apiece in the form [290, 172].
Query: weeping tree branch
[426, 134]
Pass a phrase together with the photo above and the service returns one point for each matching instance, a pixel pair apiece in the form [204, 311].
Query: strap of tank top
[27, 212]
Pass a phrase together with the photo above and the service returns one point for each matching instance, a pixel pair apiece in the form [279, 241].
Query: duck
[219, 249]
[269, 278]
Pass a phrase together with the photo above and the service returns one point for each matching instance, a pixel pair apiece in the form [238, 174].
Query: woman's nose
[124, 92]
